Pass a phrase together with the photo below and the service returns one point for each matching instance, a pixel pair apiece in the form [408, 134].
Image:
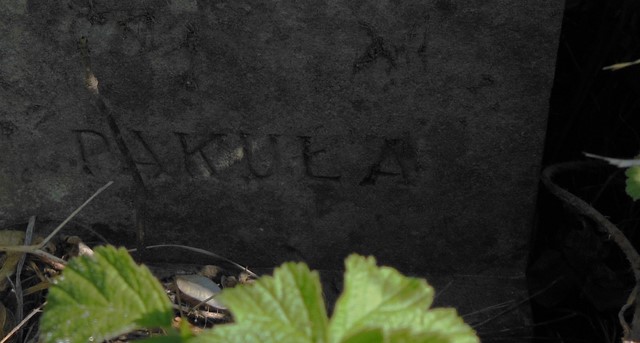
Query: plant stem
[581, 207]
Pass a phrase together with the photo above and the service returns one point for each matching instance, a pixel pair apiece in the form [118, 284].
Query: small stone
[199, 288]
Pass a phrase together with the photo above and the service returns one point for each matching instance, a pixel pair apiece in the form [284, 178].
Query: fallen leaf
[10, 259]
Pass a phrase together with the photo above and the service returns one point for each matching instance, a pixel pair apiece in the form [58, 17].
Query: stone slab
[268, 131]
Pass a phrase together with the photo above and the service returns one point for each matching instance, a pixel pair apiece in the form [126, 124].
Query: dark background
[578, 278]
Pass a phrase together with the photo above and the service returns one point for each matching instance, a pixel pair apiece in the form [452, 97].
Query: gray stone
[268, 131]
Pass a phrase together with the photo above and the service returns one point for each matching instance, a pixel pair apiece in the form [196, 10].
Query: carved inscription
[397, 158]
[151, 159]
[392, 52]
[195, 160]
[362, 161]
[308, 158]
[94, 152]
[262, 154]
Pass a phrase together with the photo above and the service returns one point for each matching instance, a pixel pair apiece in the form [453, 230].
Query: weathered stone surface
[275, 130]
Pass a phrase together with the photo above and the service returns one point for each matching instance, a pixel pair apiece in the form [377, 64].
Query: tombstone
[269, 131]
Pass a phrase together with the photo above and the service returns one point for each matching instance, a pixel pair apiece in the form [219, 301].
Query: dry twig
[21, 324]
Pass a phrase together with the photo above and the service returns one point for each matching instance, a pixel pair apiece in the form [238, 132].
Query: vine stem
[580, 207]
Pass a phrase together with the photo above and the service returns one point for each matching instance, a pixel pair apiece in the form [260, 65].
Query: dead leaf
[10, 259]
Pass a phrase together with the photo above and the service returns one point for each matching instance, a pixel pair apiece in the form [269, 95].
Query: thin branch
[516, 305]
[580, 207]
[622, 65]
[618, 162]
[141, 196]
[444, 289]
[630, 301]
[35, 250]
[200, 251]
[21, 324]
[73, 214]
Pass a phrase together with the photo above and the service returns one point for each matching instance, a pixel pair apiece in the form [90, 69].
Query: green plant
[631, 330]
[106, 295]
[100, 297]
[633, 165]
[633, 182]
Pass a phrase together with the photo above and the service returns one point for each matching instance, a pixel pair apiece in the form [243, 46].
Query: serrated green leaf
[378, 305]
[377, 335]
[249, 332]
[633, 182]
[445, 324]
[103, 296]
[376, 297]
[381, 297]
[287, 307]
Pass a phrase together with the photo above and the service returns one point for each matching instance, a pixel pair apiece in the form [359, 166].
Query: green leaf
[633, 182]
[287, 307]
[103, 296]
[377, 297]
[378, 305]
[397, 336]
[270, 332]
[381, 297]
[444, 325]
[370, 335]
